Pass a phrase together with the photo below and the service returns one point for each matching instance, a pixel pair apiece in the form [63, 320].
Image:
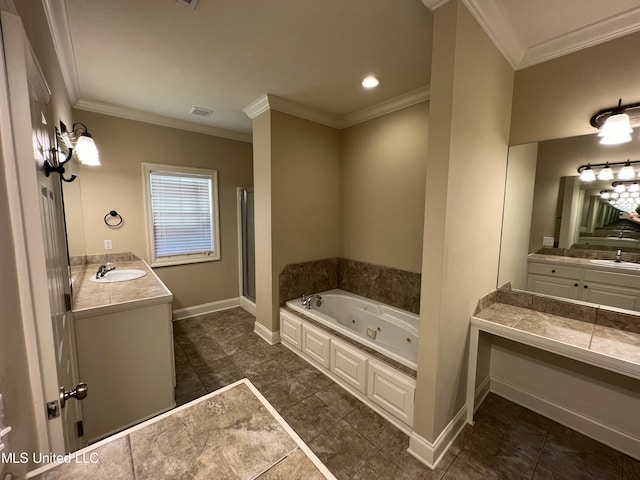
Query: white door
[38, 228]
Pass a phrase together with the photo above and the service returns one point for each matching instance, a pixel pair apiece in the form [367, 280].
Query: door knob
[79, 393]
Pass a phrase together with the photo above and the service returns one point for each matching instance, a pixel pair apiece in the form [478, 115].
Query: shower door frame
[247, 303]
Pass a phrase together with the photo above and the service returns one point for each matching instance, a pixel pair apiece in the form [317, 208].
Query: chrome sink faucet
[618, 258]
[104, 269]
[306, 300]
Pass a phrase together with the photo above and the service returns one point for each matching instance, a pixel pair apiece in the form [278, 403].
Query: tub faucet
[104, 269]
[306, 300]
[618, 258]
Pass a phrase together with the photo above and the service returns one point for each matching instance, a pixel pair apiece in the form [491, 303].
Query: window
[182, 214]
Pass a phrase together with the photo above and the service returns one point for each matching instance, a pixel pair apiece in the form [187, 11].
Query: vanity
[598, 281]
[124, 338]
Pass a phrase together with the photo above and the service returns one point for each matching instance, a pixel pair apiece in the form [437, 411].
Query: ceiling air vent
[189, 3]
[201, 112]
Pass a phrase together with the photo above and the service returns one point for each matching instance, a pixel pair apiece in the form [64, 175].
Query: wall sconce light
[80, 138]
[57, 166]
[606, 171]
[615, 124]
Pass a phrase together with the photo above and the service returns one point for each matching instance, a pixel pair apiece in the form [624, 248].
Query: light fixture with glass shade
[627, 172]
[587, 175]
[606, 173]
[82, 142]
[616, 124]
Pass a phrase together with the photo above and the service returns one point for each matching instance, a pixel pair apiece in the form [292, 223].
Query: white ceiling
[153, 60]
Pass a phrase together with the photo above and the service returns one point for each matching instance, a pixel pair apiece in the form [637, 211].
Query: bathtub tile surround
[228, 434]
[394, 287]
[504, 432]
[308, 277]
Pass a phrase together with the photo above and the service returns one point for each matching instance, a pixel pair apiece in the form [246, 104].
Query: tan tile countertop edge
[584, 263]
[102, 298]
[601, 345]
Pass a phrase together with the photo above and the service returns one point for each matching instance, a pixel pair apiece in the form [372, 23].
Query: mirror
[545, 198]
[74, 225]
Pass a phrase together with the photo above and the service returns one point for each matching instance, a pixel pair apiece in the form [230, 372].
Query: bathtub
[388, 330]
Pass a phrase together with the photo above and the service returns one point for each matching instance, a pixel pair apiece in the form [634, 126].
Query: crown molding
[131, 114]
[496, 24]
[402, 101]
[272, 102]
[56, 13]
[433, 4]
[609, 29]
[257, 107]
[303, 111]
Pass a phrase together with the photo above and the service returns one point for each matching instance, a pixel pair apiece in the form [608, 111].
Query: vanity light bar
[605, 171]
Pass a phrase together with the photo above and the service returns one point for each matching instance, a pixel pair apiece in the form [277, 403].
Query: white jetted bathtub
[388, 330]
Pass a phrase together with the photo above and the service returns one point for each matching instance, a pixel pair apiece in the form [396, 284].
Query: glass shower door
[248, 244]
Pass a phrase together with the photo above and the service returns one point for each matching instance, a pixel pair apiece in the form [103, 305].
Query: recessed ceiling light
[370, 82]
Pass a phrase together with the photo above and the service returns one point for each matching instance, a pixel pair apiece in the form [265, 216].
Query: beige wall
[559, 158]
[471, 94]
[557, 98]
[518, 205]
[383, 163]
[266, 289]
[117, 185]
[297, 171]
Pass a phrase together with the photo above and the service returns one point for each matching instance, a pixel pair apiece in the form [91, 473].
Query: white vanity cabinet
[125, 352]
[581, 281]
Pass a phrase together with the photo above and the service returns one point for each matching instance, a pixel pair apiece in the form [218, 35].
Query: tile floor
[508, 442]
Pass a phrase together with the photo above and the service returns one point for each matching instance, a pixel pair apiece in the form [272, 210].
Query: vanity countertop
[99, 298]
[608, 338]
[585, 263]
[230, 433]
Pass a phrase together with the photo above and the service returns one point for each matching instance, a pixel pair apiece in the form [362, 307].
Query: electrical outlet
[547, 241]
[108, 245]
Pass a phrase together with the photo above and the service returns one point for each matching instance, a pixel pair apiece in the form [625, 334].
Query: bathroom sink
[613, 263]
[119, 276]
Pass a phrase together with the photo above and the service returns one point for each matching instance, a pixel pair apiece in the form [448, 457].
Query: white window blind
[182, 215]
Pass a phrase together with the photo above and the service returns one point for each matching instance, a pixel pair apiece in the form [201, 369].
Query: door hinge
[80, 428]
[67, 301]
[53, 409]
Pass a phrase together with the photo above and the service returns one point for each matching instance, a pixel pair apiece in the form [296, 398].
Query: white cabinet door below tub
[291, 330]
[350, 365]
[316, 345]
[392, 391]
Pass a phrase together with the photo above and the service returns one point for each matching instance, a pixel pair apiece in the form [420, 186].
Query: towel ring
[117, 218]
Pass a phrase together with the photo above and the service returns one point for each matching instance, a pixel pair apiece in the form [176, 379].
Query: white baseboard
[431, 453]
[270, 337]
[587, 426]
[482, 390]
[188, 312]
[248, 305]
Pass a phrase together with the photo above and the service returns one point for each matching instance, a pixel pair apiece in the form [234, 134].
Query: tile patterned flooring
[508, 442]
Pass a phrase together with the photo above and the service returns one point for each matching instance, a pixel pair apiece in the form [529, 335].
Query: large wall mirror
[550, 211]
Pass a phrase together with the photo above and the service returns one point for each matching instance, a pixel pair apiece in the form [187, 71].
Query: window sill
[182, 261]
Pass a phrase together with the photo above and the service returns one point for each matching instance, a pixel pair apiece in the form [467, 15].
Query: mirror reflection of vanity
[74, 226]
[545, 201]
